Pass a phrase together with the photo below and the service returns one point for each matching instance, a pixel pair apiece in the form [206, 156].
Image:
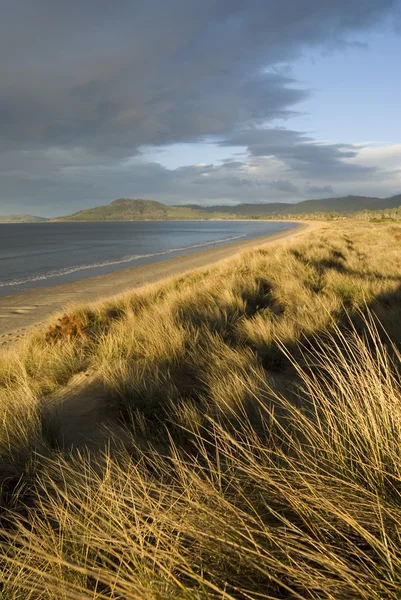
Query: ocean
[34, 255]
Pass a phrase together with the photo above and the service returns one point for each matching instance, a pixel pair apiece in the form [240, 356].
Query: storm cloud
[300, 153]
[86, 86]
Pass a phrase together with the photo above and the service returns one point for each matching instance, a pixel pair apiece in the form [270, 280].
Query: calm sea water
[43, 254]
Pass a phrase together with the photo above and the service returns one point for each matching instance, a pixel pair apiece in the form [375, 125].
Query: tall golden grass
[248, 442]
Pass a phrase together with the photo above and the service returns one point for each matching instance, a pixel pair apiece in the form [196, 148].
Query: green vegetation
[377, 216]
[147, 210]
[373, 216]
[344, 205]
[233, 433]
[125, 209]
[21, 219]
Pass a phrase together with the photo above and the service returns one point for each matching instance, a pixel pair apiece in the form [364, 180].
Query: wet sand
[23, 311]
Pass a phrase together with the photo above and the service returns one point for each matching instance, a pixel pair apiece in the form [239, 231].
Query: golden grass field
[234, 433]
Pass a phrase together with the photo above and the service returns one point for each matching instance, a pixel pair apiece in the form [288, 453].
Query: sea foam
[120, 261]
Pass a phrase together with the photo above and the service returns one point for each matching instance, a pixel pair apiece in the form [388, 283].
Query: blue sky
[355, 97]
[356, 91]
[186, 102]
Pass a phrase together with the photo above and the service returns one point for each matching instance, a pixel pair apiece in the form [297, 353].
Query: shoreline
[21, 312]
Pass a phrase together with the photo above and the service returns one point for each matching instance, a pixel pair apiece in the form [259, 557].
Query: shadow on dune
[184, 381]
[91, 416]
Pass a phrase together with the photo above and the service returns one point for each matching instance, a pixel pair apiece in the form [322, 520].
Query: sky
[182, 101]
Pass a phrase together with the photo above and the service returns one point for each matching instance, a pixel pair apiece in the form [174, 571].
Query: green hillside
[21, 219]
[125, 209]
[344, 205]
[120, 210]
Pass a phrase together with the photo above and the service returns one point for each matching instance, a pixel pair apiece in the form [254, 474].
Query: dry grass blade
[245, 440]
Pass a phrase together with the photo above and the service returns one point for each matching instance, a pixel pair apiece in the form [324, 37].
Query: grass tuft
[231, 434]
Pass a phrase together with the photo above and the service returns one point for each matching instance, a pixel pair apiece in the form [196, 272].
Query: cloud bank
[87, 86]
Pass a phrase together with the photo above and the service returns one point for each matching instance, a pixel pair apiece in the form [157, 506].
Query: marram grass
[251, 437]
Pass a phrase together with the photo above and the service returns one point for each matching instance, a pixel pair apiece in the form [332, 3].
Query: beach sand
[20, 312]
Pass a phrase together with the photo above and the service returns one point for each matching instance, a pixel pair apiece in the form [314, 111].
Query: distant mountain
[346, 205]
[21, 219]
[125, 209]
[120, 210]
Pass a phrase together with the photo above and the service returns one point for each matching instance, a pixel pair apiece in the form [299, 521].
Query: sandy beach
[21, 312]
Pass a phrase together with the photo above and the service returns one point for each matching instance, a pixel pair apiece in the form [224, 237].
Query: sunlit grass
[253, 442]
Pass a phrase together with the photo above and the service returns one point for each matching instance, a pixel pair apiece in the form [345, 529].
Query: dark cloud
[319, 190]
[120, 75]
[57, 185]
[86, 84]
[220, 178]
[300, 153]
[284, 185]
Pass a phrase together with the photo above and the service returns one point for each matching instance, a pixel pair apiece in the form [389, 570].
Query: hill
[21, 219]
[122, 209]
[125, 209]
[344, 205]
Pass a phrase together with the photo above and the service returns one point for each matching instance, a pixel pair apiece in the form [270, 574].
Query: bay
[35, 255]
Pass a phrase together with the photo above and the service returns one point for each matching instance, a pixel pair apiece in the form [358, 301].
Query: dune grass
[248, 442]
